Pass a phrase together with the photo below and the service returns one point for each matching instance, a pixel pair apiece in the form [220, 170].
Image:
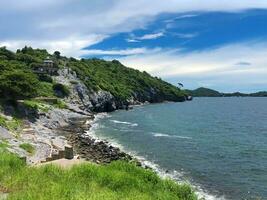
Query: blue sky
[221, 45]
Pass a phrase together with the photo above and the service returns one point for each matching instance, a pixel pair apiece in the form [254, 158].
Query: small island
[206, 92]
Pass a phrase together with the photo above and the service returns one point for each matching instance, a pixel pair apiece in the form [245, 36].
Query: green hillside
[124, 82]
[19, 82]
[204, 92]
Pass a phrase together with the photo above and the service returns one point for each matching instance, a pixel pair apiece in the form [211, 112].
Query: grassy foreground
[118, 180]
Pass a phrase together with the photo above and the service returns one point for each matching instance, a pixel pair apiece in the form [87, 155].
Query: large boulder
[103, 101]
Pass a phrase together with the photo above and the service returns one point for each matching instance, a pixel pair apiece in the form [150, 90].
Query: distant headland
[206, 92]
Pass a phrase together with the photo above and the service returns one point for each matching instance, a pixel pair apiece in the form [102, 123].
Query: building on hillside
[48, 67]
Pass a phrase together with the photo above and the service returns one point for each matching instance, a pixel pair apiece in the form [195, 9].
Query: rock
[5, 134]
[102, 101]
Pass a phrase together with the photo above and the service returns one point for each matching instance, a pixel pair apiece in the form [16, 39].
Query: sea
[217, 145]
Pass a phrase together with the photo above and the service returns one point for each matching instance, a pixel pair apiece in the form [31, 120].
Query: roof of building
[48, 61]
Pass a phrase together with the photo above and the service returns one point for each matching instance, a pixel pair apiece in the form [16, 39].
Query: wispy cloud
[214, 66]
[186, 35]
[150, 36]
[45, 22]
[121, 52]
[243, 63]
[132, 40]
[181, 17]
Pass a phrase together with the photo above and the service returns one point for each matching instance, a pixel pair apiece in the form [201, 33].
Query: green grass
[13, 125]
[43, 106]
[36, 105]
[116, 181]
[3, 121]
[28, 147]
[3, 145]
[45, 89]
[60, 104]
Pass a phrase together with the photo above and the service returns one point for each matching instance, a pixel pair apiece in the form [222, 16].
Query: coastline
[139, 160]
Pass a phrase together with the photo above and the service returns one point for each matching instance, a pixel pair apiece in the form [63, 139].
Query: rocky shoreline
[89, 148]
[49, 131]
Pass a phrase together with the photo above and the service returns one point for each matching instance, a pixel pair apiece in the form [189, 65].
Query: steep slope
[124, 83]
[108, 84]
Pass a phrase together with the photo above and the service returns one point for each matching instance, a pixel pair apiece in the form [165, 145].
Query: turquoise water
[218, 144]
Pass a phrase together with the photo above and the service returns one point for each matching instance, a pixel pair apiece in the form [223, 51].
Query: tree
[6, 54]
[18, 85]
[57, 54]
[180, 85]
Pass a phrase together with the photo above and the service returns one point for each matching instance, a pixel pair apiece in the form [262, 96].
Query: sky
[200, 43]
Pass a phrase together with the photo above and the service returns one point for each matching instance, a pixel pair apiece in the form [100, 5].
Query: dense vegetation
[123, 82]
[17, 81]
[118, 180]
[206, 92]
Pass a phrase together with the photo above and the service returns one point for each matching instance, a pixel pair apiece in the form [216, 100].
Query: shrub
[28, 59]
[27, 147]
[13, 125]
[45, 89]
[6, 54]
[61, 90]
[3, 122]
[60, 104]
[18, 85]
[35, 105]
[45, 78]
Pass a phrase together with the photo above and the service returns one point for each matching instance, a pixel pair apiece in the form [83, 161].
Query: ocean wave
[163, 173]
[122, 122]
[170, 136]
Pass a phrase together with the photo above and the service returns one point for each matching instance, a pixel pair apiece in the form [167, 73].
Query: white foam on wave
[163, 173]
[170, 136]
[122, 122]
[176, 176]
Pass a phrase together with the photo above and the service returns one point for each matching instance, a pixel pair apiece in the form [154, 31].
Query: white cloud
[46, 22]
[208, 67]
[151, 36]
[186, 35]
[69, 46]
[180, 17]
[132, 40]
[122, 52]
